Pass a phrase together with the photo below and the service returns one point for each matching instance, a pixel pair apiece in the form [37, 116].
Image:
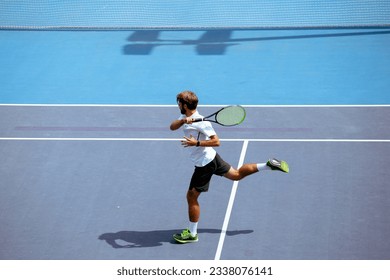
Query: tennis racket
[227, 116]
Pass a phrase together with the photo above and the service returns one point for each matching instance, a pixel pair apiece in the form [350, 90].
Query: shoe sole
[284, 167]
[181, 241]
[280, 164]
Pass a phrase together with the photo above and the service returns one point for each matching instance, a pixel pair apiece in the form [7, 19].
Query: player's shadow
[141, 239]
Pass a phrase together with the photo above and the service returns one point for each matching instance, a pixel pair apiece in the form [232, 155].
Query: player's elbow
[173, 126]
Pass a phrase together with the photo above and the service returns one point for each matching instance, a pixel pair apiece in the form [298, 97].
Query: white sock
[263, 166]
[193, 228]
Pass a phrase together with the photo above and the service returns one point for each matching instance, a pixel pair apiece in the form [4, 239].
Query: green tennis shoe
[185, 237]
[276, 164]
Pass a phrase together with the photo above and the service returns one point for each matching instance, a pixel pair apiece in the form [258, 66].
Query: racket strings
[232, 115]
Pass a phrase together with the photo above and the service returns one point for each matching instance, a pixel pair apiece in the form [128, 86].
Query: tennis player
[200, 138]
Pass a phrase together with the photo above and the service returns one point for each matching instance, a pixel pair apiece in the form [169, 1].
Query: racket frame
[215, 116]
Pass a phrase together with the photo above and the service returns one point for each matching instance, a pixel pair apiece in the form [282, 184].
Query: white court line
[230, 205]
[200, 105]
[86, 105]
[178, 139]
[84, 139]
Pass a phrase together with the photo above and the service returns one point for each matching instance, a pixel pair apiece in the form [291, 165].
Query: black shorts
[202, 175]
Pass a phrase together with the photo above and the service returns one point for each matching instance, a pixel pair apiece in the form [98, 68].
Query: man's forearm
[212, 142]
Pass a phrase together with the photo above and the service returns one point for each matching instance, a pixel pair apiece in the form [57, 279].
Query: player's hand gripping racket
[227, 116]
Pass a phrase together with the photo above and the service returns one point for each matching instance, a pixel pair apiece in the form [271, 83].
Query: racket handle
[197, 119]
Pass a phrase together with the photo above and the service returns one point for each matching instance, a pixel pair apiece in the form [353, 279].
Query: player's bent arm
[176, 124]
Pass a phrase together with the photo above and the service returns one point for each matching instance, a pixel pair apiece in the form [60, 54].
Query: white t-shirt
[200, 156]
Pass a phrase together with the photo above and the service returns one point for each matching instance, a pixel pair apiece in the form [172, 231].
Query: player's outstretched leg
[250, 168]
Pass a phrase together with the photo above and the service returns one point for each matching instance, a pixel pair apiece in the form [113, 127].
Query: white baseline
[178, 139]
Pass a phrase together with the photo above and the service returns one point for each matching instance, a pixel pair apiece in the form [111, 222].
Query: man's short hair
[189, 98]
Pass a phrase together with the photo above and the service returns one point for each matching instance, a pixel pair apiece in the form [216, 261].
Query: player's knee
[234, 174]
[239, 176]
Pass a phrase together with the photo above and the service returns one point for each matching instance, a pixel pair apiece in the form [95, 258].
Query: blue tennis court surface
[223, 67]
[87, 182]
[90, 169]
